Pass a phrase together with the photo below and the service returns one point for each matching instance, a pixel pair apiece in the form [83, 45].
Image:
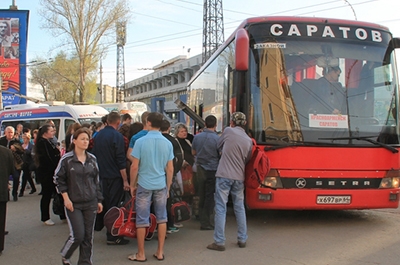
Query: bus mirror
[241, 50]
[393, 44]
[396, 43]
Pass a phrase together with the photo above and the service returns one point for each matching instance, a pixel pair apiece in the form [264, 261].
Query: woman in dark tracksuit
[77, 179]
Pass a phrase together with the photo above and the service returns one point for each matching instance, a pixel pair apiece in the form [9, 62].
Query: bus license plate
[333, 199]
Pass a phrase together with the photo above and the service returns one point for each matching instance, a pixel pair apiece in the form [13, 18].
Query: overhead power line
[168, 36]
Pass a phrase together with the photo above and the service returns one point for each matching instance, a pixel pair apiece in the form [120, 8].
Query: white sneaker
[49, 222]
[178, 225]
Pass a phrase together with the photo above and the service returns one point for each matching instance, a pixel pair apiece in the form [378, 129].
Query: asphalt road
[275, 237]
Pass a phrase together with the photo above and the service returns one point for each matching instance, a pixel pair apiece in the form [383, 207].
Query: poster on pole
[13, 47]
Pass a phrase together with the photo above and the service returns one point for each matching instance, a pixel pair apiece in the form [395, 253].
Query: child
[63, 149]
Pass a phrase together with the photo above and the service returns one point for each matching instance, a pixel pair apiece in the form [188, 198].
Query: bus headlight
[396, 182]
[273, 179]
[391, 180]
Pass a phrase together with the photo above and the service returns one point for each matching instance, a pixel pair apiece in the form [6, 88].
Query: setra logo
[300, 183]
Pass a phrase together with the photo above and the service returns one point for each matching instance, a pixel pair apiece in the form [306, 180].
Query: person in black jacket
[77, 179]
[46, 160]
[111, 157]
[178, 161]
[9, 141]
[26, 168]
[6, 169]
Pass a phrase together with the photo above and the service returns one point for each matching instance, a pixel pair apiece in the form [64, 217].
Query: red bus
[321, 95]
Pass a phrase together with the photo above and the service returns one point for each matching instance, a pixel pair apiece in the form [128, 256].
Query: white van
[35, 115]
[134, 108]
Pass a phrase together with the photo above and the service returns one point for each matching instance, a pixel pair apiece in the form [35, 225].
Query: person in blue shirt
[151, 177]
[205, 148]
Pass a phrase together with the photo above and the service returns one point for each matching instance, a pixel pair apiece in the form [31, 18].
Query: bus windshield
[322, 90]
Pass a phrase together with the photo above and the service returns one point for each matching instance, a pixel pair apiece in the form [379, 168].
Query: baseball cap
[238, 118]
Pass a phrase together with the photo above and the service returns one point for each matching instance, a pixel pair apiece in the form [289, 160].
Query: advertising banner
[13, 46]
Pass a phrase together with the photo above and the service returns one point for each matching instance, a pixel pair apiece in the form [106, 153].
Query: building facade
[108, 94]
[165, 85]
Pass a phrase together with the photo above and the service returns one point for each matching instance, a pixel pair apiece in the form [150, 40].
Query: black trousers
[16, 176]
[3, 209]
[26, 177]
[81, 224]
[206, 190]
[48, 189]
[113, 190]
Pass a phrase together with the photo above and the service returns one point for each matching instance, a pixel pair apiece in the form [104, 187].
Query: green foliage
[59, 78]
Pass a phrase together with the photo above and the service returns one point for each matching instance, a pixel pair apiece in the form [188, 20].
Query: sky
[162, 29]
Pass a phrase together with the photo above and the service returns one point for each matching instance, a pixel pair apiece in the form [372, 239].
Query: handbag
[58, 204]
[121, 221]
[128, 226]
[99, 222]
[180, 210]
[125, 198]
[18, 161]
[187, 181]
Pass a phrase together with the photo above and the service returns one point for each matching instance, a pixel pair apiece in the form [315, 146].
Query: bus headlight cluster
[273, 179]
[391, 180]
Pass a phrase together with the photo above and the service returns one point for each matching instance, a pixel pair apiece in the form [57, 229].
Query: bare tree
[39, 76]
[85, 25]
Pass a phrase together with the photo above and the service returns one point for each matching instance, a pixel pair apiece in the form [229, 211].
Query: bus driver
[329, 96]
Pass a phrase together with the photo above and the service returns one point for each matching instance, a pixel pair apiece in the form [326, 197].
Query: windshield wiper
[364, 138]
[295, 144]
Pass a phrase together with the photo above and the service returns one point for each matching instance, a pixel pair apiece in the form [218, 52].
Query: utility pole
[100, 88]
[121, 39]
[13, 6]
[213, 27]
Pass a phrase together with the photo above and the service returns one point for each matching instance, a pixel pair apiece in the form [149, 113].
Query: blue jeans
[223, 187]
[144, 198]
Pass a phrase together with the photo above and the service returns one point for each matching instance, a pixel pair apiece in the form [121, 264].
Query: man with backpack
[236, 147]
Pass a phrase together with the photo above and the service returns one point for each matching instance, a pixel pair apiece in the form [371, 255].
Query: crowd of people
[97, 164]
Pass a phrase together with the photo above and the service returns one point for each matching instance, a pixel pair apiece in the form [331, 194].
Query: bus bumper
[292, 199]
